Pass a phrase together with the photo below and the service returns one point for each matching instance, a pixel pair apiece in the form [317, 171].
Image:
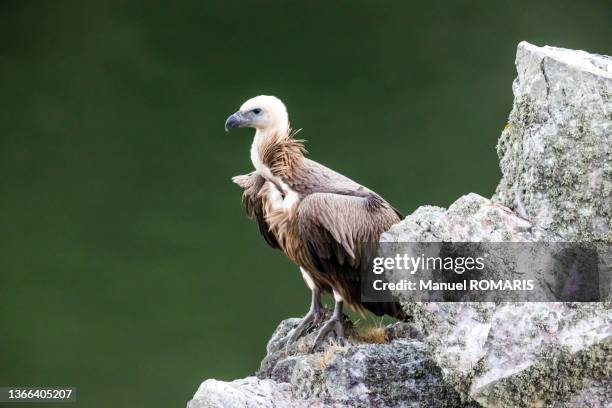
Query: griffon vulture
[323, 221]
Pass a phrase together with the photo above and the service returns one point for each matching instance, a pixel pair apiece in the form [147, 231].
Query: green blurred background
[128, 268]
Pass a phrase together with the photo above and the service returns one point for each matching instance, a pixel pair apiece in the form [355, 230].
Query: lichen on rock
[556, 152]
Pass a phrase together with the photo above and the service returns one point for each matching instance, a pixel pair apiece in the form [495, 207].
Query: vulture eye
[257, 111]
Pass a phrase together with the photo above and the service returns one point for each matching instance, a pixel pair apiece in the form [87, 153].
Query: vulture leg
[312, 317]
[333, 325]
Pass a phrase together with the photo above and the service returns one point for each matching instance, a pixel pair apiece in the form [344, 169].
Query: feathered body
[326, 223]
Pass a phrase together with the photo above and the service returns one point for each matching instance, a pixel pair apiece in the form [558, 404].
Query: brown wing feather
[341, 234]
[252, 183]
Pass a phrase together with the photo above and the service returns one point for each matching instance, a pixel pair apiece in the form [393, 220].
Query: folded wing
[341, 234]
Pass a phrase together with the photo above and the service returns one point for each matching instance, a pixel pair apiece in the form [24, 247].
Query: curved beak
[237, 120]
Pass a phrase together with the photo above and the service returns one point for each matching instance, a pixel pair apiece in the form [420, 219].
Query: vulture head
[264, 113]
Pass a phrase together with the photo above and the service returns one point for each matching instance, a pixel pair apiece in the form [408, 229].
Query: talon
[333, 325]
[308, 321]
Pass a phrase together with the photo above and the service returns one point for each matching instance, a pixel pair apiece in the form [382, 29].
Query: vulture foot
[332, 326]
[312, 318]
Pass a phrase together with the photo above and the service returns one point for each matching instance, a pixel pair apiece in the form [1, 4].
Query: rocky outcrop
[397, 372]
[508, 354]
[555, 156]
[555, 151]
